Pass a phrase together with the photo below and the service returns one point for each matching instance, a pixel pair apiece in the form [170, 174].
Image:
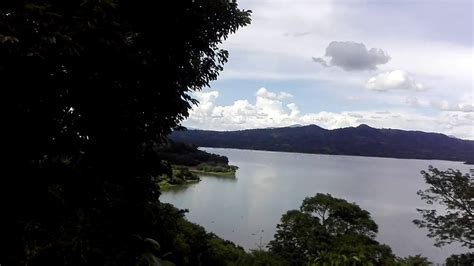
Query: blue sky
[388, 64]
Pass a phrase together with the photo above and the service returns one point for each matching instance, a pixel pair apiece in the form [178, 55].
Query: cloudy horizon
[388, 64]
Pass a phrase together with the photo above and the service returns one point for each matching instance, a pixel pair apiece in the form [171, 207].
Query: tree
[89, 87]
[417, 260]
[297, 235]
[455, 192]
[340, 217]
[328, 229]
[262, 258]
[466, 259]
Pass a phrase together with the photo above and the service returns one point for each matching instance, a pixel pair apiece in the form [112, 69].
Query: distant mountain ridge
[362, 141]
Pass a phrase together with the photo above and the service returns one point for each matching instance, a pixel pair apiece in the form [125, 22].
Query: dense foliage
[184, 162]
[417, 260]
[362, 140]
[90, 87]
[187, 154]
[455, 192]
[185, 243]
[460, 260]
[327, 230]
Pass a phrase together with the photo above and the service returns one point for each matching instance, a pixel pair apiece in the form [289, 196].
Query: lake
[246, 209]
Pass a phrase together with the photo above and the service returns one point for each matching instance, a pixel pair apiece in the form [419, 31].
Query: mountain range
[361, 141]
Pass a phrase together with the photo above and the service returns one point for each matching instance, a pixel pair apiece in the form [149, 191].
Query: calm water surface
[247, 209]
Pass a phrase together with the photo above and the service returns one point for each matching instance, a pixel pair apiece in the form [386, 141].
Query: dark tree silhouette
[328, 230]
[455, 192]
[89, 87]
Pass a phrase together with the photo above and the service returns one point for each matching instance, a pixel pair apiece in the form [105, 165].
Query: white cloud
[446, 106]
[264, 93]
[268, 50]
[295, 111]
[206, 103]
[414, 102]
[394, 80]
[272, 110]
[353, 56]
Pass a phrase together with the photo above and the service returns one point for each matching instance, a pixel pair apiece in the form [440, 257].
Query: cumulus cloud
[353, 56]
[295, 111]
[264, 93]
[271, 109]
[206, 102]
[393, 80]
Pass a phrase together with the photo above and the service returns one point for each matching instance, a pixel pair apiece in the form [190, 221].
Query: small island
[185, 163]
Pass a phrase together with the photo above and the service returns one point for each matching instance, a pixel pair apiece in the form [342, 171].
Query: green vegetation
[177, 153]
[186, 163]
[91, 88]
[180, 175]
[455, 192]
[326, 230]
[215, 170]
[185, 243]
[184, 175]
[460, 260]
[417, 260]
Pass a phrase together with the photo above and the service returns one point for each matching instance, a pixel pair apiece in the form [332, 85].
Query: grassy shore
[166, 185]
[220, 174]
[186, 175]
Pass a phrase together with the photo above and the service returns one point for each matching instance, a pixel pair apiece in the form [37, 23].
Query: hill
[187, 154]
[362, 141]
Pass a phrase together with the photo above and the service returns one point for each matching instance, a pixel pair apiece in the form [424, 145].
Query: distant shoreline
[351, 155]
[353, 141]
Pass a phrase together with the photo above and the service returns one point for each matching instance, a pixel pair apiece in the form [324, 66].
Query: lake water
[247, 209]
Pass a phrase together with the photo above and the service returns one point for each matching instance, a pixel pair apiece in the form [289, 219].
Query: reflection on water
[247, 208]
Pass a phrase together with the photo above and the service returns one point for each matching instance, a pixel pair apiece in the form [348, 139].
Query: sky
[388, 64]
